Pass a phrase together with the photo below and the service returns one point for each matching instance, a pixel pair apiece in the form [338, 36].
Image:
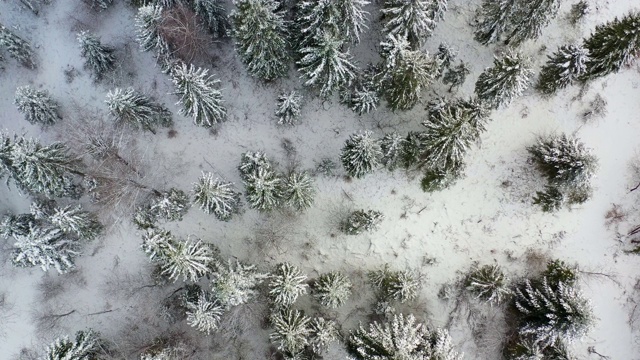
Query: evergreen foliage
[260, 33]
[456, 76]
[216, 196]
[361, 154]
[332, 289]
[509, 77]
[364, 99]
[235, 284]
[439, 179]
[147, 21]
[405, 73]
[578, 11]
[391, 146]
[402, 286]
[344, 19]
[204, 314]
[251, 161]
[558, 271]
[37, 106]
[136, 109]
[286, 284]
[401, 338]
[85, 346]
[613, 45]
[564, 67]
[322, 333]
[18, 48]
[170, 205]
[98, 58]
[198, 95]
[288, 108]
[74, 220]
[12, 225]
[214, 16]
[551, 199]
[325, 65]
[524, 349]
[360, 221]
[264, 189]
[291, 331]
[446, 55]
[488, 284]
[44, 247]
[413, 20]
[100, 4]
[299, 190]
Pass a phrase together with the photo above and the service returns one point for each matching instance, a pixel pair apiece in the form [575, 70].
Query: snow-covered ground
[487, 217]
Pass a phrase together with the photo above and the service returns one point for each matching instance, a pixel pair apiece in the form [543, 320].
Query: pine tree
[332, 289]
[558, 271]
[198, 95]
[260, 33]
[214, 16]
[12, 225]
[204, 314]
[264, 189]
[147, 21]
[524, 349]
[551, 313]
[452, 127]
[405, 73]
[291, 331]
[488, 284]
[155, 243]
[288, 108]
[446, 55]
[391, 146]
[216, 196]
[187, 259]
[361, 154]
[46, 248]
[75, 220]
[413, 20]
[251, 161]
[37, 106]
[563, 159]
[360, 221]
[401, 338]
[136, 109]
[325, 65]
[551, 199]
[564, 67]
[344, 19]
[18, 48]
[364, 99]
[86, 346]
[352, 18]
[613, 45]
[298, 190]
[171, 205]
[98, 58]
[286, 284]
[509, 77]
[456, 76]
[530, 19]
[402, 286]
[322, 333]
[578, 11]
[235, 284]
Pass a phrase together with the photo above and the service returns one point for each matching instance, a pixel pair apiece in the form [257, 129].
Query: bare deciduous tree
[185, 33]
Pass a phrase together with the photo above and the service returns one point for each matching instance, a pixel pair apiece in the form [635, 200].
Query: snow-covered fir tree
[451, 129]
[44, 247]
[155, 243]
[234, 283]
[563, 159]
[217, 197]
[138, 110]
[437, 179]
[101, 4]
[401, 338]
[613, 45]
[552, 312]
[199, 96]
[86, 345]
[75, 220]
[564, 67]
[488, 284]
[361, 154]
[578, 11]
[286, 284]
[214, 15]
[324, 65]
[147, 21]
[204, 314]
[507, 79]
[364, 99]
[171, 205]
[20, 224]
[260, 33]
[322, 333]
[344, 19]
[391, 146]
[551, 199]
[17, 47]
[37, 106]
[264, 189]
[446, 55]
[405, 73]
[456, 76]
[353, 18]
[360, 221]
[559, 271]
[530, 19]
[291, 331]
[299, 190]
[524, 349]
[332, 289]
[186, 259]
[251, 161]
[42, 209]
[288, 108]
[402, 285]
[413, 20]
[99, 58]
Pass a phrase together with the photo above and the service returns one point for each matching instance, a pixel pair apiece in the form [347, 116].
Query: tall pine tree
[138, 110]
[199, 95]
[37, 106]
[564, 67]
[509, 77]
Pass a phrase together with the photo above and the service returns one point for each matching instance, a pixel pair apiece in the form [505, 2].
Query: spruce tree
[551, 199]
[446, 55]
[37, 106]
[204, 314]
[364, 99]
[613, 45]
[260, 33]
[147, 21]
[563, 159]
[405, 73]
[235, 283]
[291, 331]
[98, 58]
[563, 68]
[344, 19]
[138, 110]
[360, 221]
[18, 48]
[251, 161]
[352, 18]
[186, 259]
[391, 146]
[214, 16]
[286, 284]
[402, 286]
[495, 19]
[325, 65]
[322, 333]
[361, 154]
[332, 289]
[298, 190]
[264, 189]
[74, 220]
[288, 108]
[12, 225]
[100, 4]
[413, 20]
[488, 284]
[44, 247]
[509, 77]
[216, 196]
[456, 76]
[170, 205]
[198, 95]
[530, 19]
[85, 346]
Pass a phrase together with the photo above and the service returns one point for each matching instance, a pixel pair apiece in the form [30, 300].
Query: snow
[486, 217]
